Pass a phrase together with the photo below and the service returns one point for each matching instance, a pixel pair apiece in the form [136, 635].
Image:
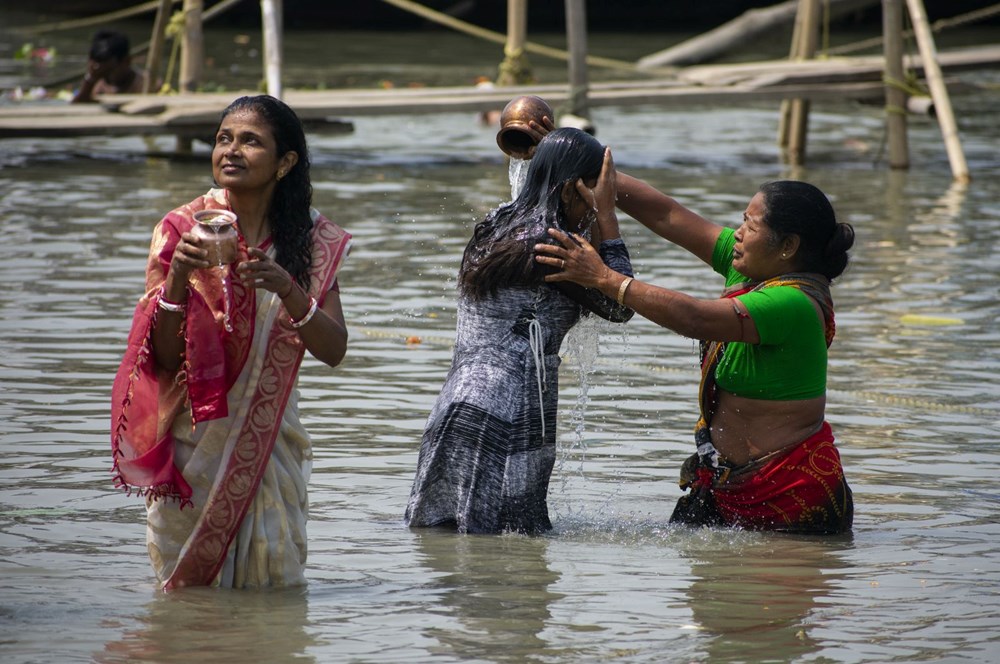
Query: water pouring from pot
[218, 232]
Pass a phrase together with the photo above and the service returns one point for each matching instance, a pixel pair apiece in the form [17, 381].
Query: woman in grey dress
[489, 445]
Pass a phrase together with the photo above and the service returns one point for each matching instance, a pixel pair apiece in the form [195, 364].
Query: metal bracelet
[167, 305]
[622, 288]
[313, 306]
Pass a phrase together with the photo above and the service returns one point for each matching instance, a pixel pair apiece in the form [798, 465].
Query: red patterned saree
[205, 443]
[798, 489]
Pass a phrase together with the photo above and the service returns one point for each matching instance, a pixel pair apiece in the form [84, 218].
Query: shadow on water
[765, 596]
[497, 591]
[196, 624]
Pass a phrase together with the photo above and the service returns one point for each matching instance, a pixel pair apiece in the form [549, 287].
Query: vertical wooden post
[785, 115]
[155, 54]
[192, 58]
[939, 93]
[271, 14]
[517, 24]
[798, 120]
[576, 37]
[895, 95]
[515, 70]
[192, 47]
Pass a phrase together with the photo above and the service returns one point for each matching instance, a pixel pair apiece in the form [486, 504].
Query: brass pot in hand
[217, 229]
[515, 137]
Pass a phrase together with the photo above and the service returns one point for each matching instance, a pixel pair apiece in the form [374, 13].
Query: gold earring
[281, 174]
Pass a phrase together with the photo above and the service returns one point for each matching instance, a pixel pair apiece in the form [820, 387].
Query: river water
[913, 399]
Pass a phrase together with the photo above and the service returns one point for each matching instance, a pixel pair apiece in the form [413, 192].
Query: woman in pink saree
[204, 419]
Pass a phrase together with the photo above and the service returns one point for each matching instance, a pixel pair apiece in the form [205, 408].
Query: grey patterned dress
[487, 450]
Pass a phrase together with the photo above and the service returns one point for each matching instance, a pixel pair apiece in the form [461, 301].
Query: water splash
[517, 174]
[582, 343]
[223, 272]
[222, 237]
[584, 339]
[217, 242]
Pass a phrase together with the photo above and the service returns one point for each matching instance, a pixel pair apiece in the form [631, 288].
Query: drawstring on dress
[537, 343]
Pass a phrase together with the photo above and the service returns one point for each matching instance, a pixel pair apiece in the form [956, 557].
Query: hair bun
[840, 241]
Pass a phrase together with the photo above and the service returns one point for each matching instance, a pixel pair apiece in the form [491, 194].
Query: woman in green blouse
[765, 454]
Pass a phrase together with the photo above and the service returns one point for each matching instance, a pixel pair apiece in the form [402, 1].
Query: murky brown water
[915, 407]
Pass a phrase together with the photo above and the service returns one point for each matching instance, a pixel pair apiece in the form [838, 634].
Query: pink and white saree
[217, 448]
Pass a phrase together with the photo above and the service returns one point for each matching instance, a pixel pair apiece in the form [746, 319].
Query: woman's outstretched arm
[707, 320]
[667, 218]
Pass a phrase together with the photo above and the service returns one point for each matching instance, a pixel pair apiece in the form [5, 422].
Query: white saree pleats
[269, 549]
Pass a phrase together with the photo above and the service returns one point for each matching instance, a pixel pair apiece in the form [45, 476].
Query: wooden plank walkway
[196, 115]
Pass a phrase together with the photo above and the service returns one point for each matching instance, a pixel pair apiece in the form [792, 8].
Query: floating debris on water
[924, 319]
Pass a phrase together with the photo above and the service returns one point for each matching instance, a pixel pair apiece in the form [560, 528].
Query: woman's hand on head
[606, 189]
[537, 130]
[574, 258]
[262, 271]
[604, 197]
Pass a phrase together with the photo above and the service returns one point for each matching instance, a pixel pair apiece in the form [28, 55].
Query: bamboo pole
[798, 119]
[193, 47]
[497, 38]
[895, 95]
[751, 26]
[938, 26]
[576, 38]
[271, 14]
[785, 114]
[515, 70]
[156, 40]
[100, 19]
[208, 14]
[192, 59]
[939, 92]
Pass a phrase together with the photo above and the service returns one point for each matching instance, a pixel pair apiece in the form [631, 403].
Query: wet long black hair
[501, 251]
[798, 208]
[291, 224]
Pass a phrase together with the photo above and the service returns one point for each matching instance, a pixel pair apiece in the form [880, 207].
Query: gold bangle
[622, 288]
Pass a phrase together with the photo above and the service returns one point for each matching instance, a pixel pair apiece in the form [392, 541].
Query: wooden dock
[196, 115]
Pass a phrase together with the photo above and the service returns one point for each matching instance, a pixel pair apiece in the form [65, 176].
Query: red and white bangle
[167, 305]
[313, 306]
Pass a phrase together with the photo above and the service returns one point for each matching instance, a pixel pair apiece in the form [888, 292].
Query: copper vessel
[515, 137]
[217, 229]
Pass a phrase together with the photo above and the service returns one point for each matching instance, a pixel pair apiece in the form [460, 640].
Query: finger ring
[258, 281]
[562, 263]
